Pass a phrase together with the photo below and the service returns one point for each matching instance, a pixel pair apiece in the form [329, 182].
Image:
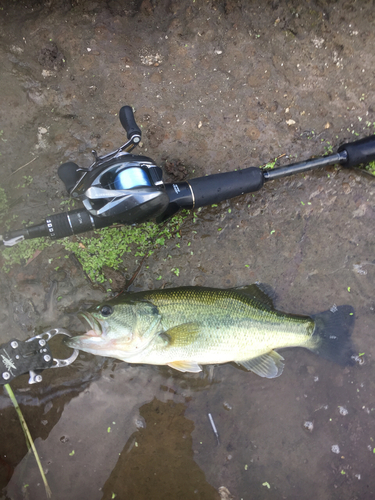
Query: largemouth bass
[187, 327]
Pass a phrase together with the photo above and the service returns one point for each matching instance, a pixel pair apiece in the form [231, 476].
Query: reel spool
[131, 177]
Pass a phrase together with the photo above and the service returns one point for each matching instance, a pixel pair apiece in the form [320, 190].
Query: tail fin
[332, 334]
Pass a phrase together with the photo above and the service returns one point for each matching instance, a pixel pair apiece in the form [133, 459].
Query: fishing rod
[124, 188]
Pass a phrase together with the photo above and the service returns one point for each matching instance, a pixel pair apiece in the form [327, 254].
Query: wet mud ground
[217, 85]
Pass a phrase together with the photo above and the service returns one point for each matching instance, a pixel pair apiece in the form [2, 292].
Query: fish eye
[106, 310]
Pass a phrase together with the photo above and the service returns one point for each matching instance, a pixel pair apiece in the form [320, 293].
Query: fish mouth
[95, 328]
[94, 338]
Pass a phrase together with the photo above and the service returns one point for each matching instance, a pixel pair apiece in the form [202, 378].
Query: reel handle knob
[127, 120]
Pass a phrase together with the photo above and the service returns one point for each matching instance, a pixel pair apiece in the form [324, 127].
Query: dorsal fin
[258, 291]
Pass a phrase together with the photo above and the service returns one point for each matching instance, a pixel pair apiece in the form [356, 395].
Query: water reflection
[42, 406]
[158, 460]
[125, 432]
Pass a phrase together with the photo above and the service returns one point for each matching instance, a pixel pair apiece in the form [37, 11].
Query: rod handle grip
[219, 187]
[362, 151]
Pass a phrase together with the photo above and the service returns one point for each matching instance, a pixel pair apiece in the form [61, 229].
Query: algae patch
[3, 204]
[370, 167]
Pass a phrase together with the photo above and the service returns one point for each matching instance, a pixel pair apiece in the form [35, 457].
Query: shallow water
[105, 429]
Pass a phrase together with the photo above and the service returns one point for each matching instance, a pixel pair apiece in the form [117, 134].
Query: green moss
[270, 164]
[22, 252]
[370, 167]
[3, 204]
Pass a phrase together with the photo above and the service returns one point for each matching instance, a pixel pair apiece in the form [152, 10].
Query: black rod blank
[303, 166]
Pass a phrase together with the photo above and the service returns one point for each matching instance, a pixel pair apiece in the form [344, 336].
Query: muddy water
[216, 85]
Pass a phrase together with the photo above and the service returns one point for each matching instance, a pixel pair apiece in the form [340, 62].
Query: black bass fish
[191, 326]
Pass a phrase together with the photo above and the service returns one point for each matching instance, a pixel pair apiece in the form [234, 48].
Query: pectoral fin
[269, 365]
[182, 335]
[185, 366]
